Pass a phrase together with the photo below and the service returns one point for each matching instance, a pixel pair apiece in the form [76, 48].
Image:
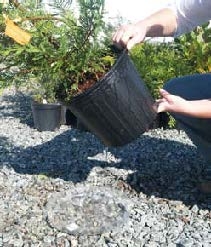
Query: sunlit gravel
[142, 194]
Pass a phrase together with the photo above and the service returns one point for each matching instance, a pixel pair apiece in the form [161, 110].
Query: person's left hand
[171, 103]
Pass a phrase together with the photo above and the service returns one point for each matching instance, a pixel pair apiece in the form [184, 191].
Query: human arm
[160, 24]
[178, 17]
[176, 104]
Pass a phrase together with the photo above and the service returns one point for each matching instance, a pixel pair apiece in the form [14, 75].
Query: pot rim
[101, 81]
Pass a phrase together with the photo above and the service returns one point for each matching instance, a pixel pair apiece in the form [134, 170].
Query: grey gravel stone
[157, 173]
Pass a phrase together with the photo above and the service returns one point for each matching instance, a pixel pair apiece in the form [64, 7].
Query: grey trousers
[194, 87]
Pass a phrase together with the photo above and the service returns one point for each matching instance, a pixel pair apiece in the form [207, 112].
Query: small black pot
[118, 108]
[47, 117]
[67, 117]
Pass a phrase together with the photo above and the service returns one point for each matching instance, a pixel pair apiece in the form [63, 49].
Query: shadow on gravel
[17, 106]
[164, 168]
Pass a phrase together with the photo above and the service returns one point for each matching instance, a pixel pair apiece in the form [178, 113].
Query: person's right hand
[129, 35]
[171, 103]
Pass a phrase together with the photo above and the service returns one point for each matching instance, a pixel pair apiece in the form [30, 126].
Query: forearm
[161, 24]
[198, 108]
[176, 104]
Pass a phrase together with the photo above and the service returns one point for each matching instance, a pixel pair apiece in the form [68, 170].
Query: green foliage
[157, 63]
[62, 49]
[196, 48]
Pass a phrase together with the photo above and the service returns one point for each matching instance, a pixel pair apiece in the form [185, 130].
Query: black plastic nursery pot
[119, 107]
[67, 117]
[47, 117]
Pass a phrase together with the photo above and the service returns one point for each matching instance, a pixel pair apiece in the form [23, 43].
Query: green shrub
[196, 48]
[63, 49]
[157, 63]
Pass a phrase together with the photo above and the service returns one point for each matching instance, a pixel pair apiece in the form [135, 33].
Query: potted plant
[63, 54]
[68, 60]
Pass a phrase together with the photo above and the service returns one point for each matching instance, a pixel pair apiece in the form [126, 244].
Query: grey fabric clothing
[194, 87]
[190, 13]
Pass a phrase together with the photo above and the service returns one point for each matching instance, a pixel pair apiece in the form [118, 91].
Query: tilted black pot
[118, 108]
[47, 117]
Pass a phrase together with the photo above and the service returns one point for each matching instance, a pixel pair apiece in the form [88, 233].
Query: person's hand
[171, 103]
[129, 35]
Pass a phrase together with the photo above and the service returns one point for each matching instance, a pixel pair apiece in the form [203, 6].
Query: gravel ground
[154, 177]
